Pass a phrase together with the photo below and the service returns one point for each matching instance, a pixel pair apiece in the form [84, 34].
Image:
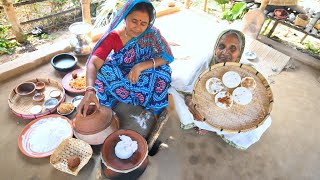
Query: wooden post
[15, 24]
[264, 4]
[85, 5]
[205, 6]
[187, 4]
[273, 28]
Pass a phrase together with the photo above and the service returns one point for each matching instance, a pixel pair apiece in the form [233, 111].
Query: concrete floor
[287, 150]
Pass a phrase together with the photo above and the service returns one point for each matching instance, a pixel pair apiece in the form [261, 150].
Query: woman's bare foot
[201, 131]
[192, 109]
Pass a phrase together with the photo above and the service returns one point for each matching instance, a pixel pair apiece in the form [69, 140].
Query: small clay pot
[38, 97]
[40, 86]
[26, 88]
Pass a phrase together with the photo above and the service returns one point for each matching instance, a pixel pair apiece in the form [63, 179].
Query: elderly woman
[229, 46]
[129, 64]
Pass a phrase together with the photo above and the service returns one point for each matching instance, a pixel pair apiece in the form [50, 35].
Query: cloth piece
[186, 118]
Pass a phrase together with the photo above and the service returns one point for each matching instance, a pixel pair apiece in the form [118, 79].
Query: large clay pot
[96, 126]
[116, 168]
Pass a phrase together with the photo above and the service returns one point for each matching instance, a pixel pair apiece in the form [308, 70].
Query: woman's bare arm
[93, 66]
[138, 68]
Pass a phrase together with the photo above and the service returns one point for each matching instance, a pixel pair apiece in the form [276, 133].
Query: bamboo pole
[264, 4]
[11, 15]
[205, 5]
[187, 4]
[85, 5]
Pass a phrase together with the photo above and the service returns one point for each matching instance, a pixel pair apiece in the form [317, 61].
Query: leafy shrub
[236, 12]
[222, 4]
[310, 47]
[6, 46]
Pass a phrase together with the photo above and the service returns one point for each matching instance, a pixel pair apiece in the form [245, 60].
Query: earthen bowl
[26, 88]
[38, 97]
[40, 86]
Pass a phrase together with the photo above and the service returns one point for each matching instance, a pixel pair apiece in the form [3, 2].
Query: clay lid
[113, 161]
[96, 120]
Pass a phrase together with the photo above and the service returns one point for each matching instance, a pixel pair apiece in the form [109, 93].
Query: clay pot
[301, 20]
[116, 168]
[96, 126]
[40, 86]
[25, 89]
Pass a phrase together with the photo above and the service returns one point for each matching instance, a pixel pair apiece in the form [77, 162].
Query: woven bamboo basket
[301, 20]
[70, 147]
[280, 2]
[21, 105]
[238, 118]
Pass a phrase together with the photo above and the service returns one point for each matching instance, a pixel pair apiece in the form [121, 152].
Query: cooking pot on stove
[96, 126]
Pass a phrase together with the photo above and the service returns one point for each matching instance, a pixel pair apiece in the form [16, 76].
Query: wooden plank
[273, 28]
[24, 3]
[49, 16]
[268, 58]
[288, 24]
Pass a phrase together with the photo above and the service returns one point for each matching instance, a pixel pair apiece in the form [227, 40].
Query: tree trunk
[85, 5]
[11, 15]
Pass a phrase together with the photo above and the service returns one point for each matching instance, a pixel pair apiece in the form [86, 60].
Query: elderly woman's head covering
[241, 38]
[121, 15]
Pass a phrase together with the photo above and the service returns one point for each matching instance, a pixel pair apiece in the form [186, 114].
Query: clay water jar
[96, 126]
[116, 168]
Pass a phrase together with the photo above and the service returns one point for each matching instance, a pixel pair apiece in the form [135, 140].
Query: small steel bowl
[51, 103]
[76, 100]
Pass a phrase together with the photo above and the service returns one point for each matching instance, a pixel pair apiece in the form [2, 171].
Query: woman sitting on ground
[130, 64]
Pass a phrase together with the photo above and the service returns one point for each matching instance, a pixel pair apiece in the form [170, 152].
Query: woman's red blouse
[111, 42]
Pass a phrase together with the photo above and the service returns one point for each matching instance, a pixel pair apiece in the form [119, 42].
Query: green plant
[236, 12]
[6, 46]
[75, 2]
[59, 2]
[222, 4]
[310, 47]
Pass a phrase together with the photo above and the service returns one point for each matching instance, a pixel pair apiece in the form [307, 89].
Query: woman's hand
[89, 97]
[135, 73]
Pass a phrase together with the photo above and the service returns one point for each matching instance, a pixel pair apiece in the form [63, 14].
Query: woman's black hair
[144, 7]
